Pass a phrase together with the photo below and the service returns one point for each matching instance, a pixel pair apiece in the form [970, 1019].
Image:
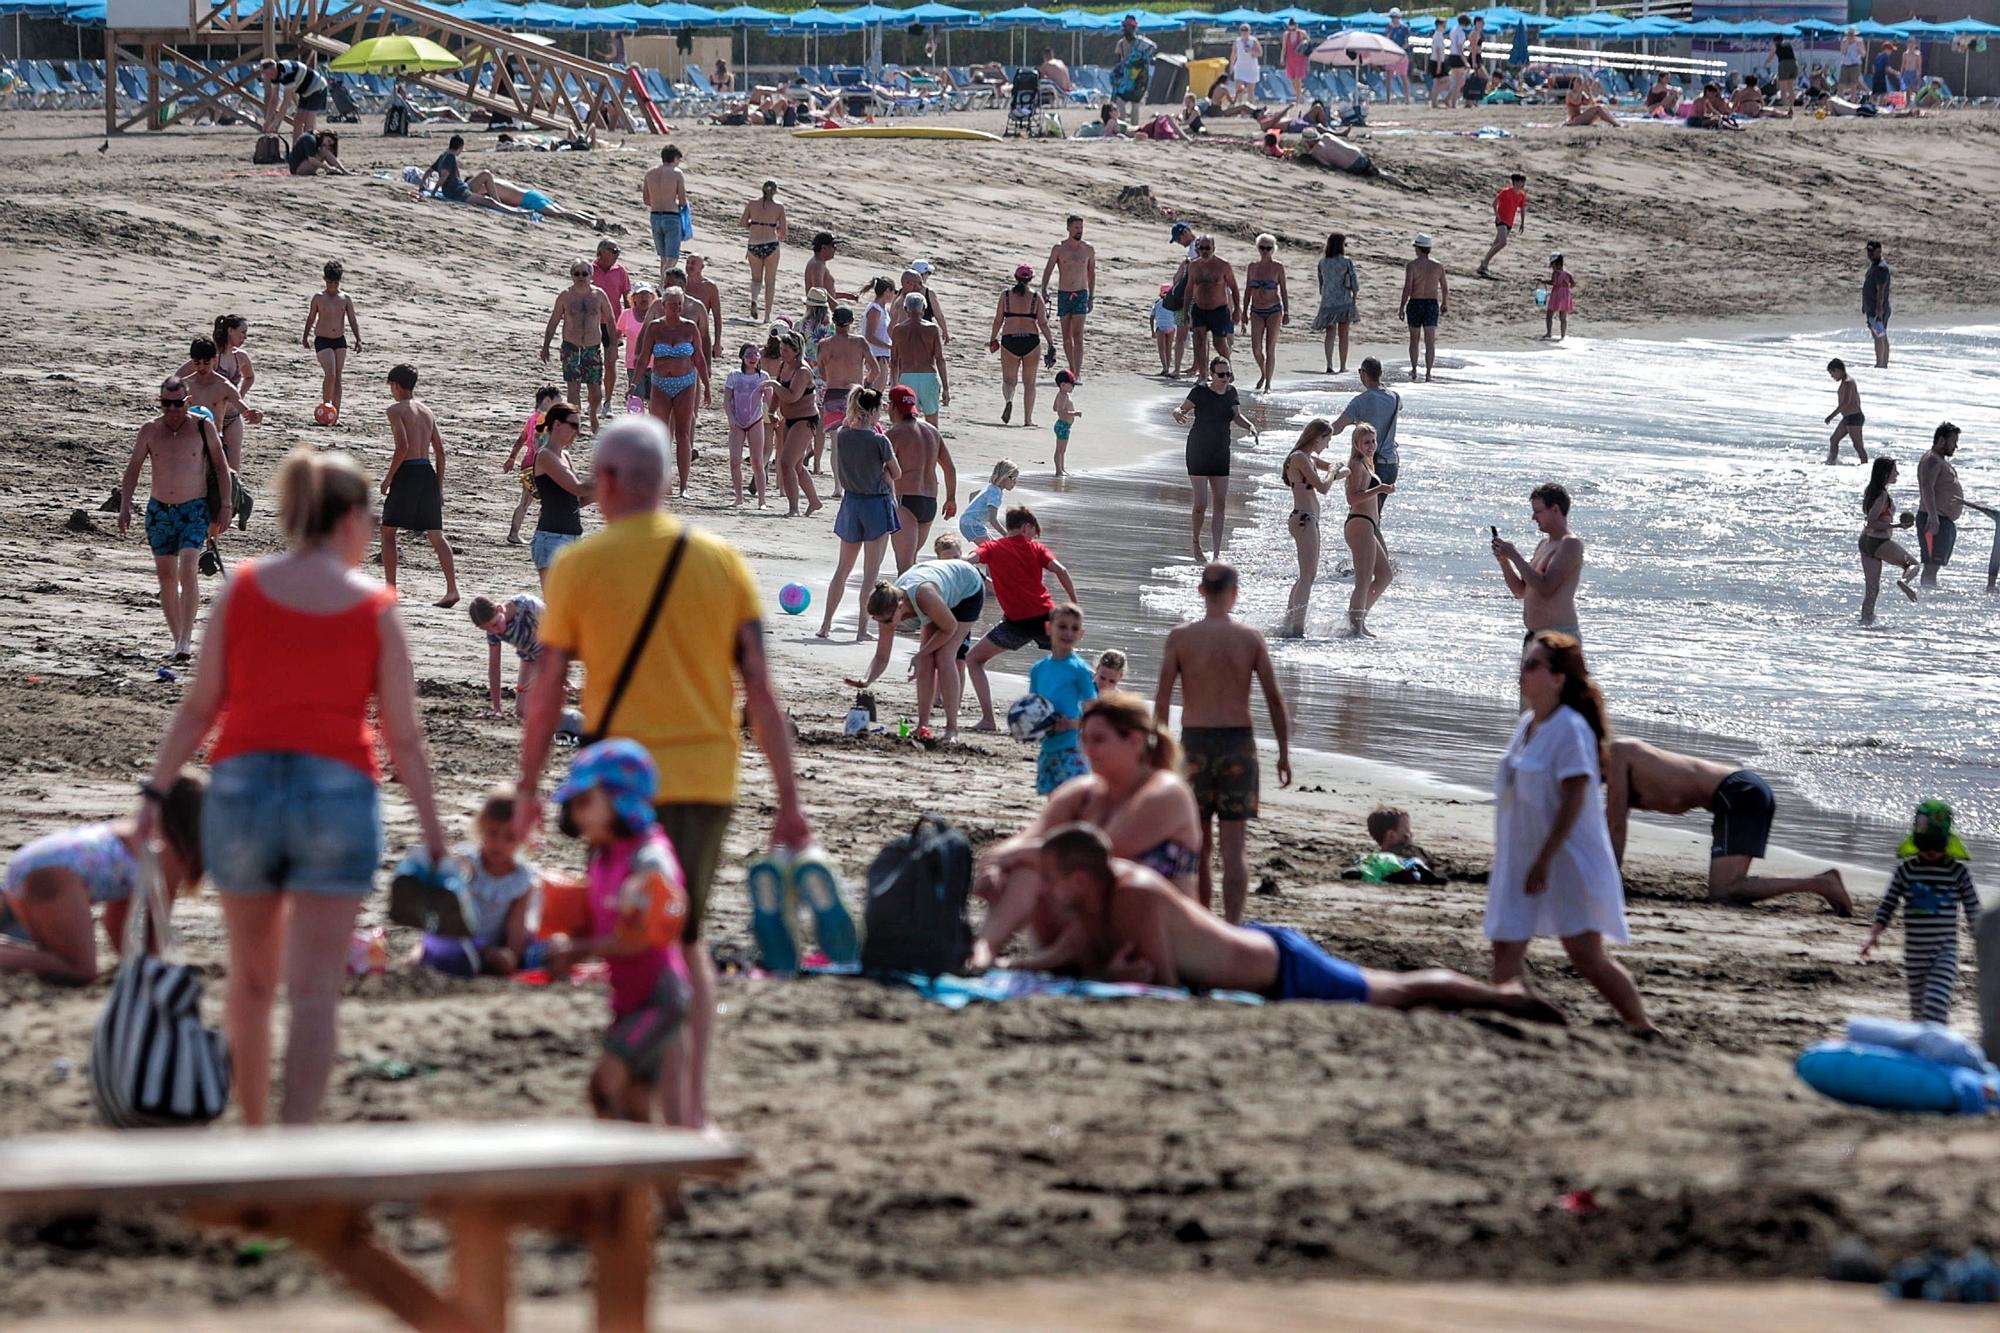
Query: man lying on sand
[1117, 920]
[1644, 777]
[504, 196]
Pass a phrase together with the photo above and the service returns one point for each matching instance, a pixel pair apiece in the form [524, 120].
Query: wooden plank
[481, 1260]
[621, 1246]
[354, 1163]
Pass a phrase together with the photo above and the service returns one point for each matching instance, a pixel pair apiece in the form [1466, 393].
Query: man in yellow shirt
[679, 700]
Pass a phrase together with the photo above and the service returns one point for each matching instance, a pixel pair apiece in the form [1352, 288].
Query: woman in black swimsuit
[798, 412]
[1363, 530]
[1309, 475]
[1212, 407]
[1015, 323]
[1134, 792]
[764, 218]
[1878, 546]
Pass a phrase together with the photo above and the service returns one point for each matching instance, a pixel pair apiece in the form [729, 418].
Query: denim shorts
[545, 545]
[281, 821]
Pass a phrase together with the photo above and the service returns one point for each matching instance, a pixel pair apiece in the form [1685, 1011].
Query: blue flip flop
[817, 882]
[771, 915]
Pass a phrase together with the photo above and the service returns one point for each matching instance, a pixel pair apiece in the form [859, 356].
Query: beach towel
[1000, 985]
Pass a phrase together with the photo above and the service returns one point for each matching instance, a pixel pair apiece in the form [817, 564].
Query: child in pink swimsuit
[747, 396]
[1562, 297]
[637, 900]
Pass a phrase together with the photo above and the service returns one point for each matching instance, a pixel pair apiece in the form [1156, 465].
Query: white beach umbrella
[1356, 49]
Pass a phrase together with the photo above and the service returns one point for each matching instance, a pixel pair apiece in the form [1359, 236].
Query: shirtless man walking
[702, 291]
[844, 366]
[916, 358]
[1215, 305]
[1426, 297]
[587, 321]
[666, 194]
[1644, 777]
[178, 523]
[1940, 499]
[1546, 582]
[1074, 261]
[818, 274]
[1214, 659]
[920, 451]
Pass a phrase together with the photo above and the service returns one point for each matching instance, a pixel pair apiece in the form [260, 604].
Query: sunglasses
[554, 420]
[173, 402]
[1222, 374]
[579, 273]
[1265, 248]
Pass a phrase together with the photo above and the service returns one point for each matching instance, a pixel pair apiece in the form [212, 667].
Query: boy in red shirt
[1510, 214]
[1015, 563]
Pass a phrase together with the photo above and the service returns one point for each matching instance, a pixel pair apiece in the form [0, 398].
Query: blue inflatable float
[1891, 1080]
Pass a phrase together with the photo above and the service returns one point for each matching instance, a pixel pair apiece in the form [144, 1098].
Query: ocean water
[1721, 588]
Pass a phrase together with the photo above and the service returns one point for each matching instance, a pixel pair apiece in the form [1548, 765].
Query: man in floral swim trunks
[1215, 659]
[588, 323]
[181, 448]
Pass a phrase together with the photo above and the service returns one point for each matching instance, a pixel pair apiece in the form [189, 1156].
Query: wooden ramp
[503, 74]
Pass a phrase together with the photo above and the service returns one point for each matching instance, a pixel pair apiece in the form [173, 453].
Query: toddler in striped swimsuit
[1932, 883]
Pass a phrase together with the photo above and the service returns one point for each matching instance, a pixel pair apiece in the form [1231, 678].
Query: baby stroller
[1024, 105]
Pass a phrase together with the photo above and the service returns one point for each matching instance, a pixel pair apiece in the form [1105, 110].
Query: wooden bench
[594, 1179]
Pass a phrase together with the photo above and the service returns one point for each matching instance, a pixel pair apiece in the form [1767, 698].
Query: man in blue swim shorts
[1119, 921]
[183, 449]
[1073, 263]
[916, 357]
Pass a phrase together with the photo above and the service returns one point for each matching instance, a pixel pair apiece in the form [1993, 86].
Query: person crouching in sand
[1119, 921]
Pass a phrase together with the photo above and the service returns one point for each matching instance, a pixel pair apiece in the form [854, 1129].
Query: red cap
[1024, 270]
[903, 396]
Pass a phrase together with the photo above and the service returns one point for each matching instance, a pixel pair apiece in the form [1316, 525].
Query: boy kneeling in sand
[1119, 921]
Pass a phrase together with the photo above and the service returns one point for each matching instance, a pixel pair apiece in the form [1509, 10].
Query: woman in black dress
[1212, 406]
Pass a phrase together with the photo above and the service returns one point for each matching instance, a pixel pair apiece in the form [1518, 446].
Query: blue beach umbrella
[820, 20]
[1256, 18]
[1870, 28]
[1517, 53]
[942, 16]
[1368, 20]
[1971, 27]
[1022, 16]
[748, 15]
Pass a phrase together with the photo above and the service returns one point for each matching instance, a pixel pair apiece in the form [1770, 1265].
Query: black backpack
[270, 150]
[915, 917]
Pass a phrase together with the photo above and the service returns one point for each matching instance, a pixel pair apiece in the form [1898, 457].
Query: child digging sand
[1932, 883]
[638, 908]
[501, 885]
[516, 621]
[1064, 680]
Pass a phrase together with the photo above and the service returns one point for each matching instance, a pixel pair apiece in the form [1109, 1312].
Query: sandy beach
[898, 1141]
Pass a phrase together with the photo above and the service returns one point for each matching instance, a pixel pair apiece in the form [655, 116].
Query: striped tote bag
[152, 1063]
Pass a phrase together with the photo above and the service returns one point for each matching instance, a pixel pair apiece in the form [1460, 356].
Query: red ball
[326, 414]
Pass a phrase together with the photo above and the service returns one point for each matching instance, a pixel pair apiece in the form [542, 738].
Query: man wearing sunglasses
[182, 448]
[588, 325]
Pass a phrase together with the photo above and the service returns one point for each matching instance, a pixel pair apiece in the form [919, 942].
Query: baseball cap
[921, 266]
[623, 771]
[903, 396]
[1178, 228]
[1423, 240]
[1394, 12]
[1554, 255]
[1024, 270]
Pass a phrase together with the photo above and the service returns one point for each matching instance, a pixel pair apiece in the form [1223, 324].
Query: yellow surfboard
[897, 132]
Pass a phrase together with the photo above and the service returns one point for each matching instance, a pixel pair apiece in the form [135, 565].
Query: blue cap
[623, 771]
[1174, 233]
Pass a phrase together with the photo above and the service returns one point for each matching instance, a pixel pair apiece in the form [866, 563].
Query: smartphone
[1494, 530]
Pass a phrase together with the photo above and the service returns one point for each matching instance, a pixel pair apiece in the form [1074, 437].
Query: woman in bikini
[764, 218]
[796, 396]
[1270, 305]
[1134, 792]
[1583, 108]
[670, 351]
[1878, 547]
[1310, 476]
[1020, 329]
[1363, 530]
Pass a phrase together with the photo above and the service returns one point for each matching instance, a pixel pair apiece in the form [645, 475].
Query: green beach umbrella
[394, 54]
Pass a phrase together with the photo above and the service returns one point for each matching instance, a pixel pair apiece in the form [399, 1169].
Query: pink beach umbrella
[1355, 49]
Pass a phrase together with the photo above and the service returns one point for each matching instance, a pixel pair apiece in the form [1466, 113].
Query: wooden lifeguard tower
[503, 74]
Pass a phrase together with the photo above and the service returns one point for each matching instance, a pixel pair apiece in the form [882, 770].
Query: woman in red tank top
[298, 648]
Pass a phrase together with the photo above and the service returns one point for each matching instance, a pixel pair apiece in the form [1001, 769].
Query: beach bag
[270, 150]
[1176, 297]
[152, 1063]
[915, 918]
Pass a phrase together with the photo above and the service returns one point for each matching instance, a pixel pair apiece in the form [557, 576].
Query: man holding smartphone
[1545, 582]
